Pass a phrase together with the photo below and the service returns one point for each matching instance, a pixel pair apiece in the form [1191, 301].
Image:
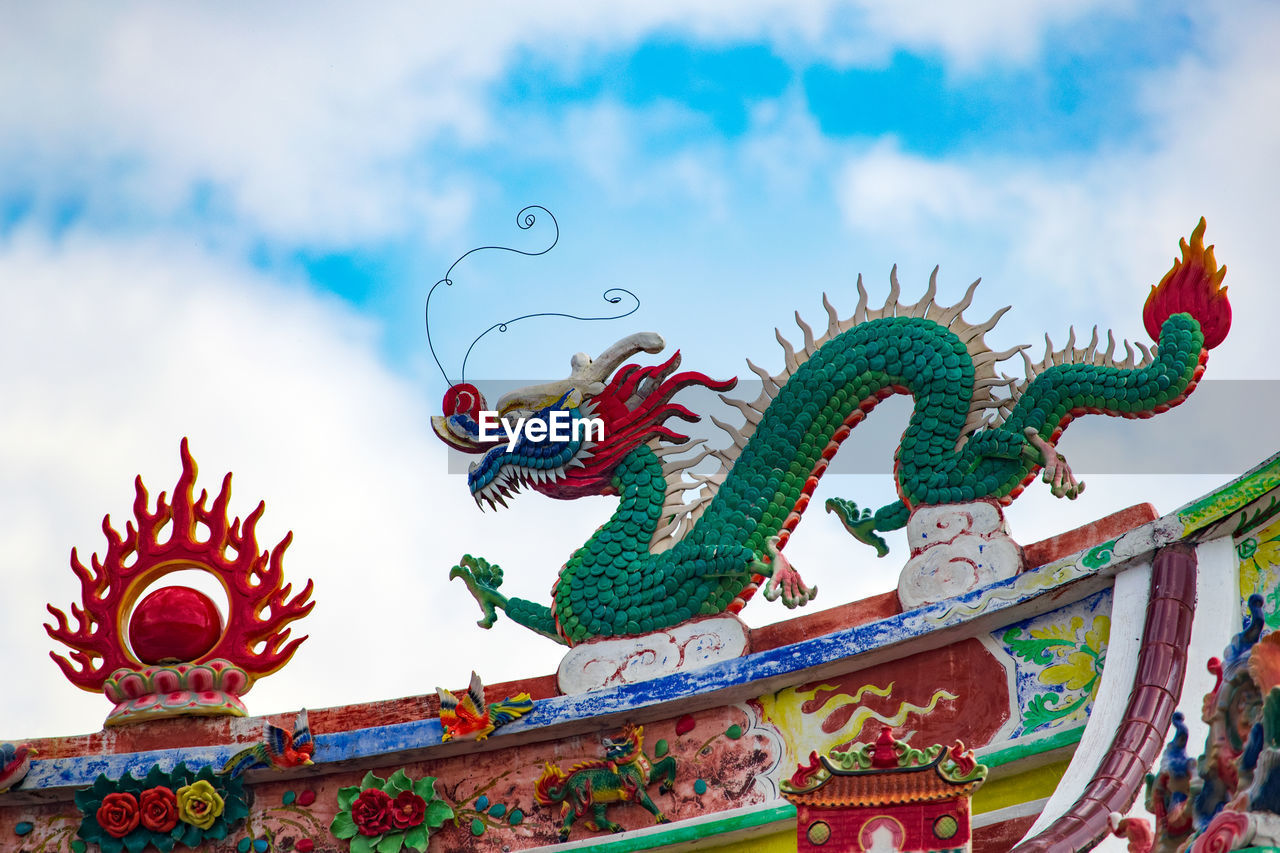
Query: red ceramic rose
[394, 815]
[408, 810]
[372, 812]
[159, 809]
[118, 814]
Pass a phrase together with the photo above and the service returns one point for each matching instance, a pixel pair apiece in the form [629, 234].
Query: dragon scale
[657, 563]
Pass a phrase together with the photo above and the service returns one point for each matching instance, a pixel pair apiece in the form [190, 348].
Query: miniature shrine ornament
[886, 795]
[173, 654]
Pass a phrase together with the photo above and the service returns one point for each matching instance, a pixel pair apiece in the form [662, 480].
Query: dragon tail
[1187, 313]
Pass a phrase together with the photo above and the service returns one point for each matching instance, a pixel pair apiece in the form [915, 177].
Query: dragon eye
[512, 417]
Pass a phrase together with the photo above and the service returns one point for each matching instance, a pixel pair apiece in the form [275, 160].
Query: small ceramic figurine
[469, 718]
[278, 750]
[592, 786]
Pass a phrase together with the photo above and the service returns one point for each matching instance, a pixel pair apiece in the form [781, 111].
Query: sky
[222, 223]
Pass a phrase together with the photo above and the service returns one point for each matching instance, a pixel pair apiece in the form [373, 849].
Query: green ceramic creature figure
[588, 788]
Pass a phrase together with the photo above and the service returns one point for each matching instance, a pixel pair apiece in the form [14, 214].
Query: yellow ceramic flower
[199, 804]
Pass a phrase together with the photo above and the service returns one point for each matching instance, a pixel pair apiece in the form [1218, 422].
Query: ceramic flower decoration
[182, 806]
[389, 814]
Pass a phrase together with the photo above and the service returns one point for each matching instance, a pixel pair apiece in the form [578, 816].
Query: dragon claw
[784, 580]
[861, 525]
[482, 579]
[1057, 473]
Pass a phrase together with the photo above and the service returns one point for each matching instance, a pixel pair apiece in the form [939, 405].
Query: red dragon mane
[634, 406]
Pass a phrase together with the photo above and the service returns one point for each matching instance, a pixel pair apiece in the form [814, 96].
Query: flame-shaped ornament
[160, 672]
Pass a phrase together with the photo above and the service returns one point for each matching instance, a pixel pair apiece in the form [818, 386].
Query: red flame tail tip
[1192, 286]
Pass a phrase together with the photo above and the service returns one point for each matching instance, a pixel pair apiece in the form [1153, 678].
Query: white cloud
[971, 34]
[320, 124]
[888, 189]
[1092, 234]
[112, 353]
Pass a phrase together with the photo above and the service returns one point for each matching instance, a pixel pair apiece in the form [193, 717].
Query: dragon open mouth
[537, 463]
[510, 477]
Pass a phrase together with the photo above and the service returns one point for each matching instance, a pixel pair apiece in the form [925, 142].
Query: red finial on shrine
[885, 753]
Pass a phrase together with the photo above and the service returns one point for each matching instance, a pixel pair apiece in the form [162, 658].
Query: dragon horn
[587, 375]
[602, 366]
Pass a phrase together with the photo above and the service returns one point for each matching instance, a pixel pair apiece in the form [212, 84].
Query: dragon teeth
[509, 479]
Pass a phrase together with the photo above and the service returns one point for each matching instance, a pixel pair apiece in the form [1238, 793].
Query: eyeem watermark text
[560, 427]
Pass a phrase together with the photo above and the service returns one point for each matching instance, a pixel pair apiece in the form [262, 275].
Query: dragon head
[624, 747]
[565, 438]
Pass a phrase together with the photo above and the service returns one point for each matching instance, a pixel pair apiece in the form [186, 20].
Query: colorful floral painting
[1259, 556]
[955, 693]
[1058, 660]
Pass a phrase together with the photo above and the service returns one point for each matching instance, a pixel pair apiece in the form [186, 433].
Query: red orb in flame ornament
[215, 665]
[174, 624]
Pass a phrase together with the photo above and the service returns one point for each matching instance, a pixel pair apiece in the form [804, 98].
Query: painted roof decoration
[1045, 676]
[1230, 797]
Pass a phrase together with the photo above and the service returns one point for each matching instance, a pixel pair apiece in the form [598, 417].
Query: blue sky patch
[720, 84]
[357, 276]
[1081, 96]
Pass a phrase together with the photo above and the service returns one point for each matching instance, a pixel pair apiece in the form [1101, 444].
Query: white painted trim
[1217, 620]
[978, 821]
[1128, 619]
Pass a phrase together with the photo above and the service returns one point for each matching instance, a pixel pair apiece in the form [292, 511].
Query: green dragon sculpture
[973, 435]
